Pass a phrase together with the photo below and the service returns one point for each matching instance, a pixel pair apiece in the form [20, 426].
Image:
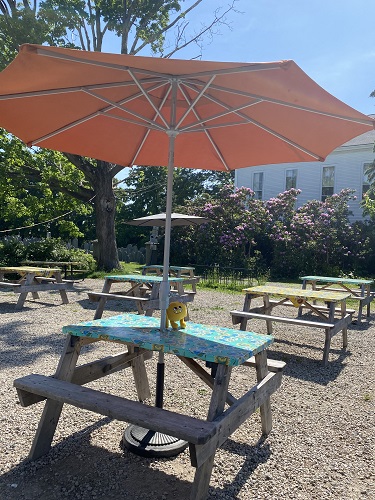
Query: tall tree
[162, 27]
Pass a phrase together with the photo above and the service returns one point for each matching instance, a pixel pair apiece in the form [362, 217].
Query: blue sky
[331, 40]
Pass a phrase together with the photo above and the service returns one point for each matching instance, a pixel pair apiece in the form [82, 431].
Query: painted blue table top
[140, 278]
[328, 279]
[208, 343]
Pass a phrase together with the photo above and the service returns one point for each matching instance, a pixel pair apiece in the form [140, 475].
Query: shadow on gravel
[18, 350]
[253, 457]
[311, 370]
[116, 306]
[77, 469]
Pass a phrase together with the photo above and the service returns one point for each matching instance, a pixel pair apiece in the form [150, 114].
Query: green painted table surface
[327, 279]
[208, 343]
[140, 278]
[326, 295]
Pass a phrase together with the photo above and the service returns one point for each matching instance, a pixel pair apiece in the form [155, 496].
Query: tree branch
[169, 26]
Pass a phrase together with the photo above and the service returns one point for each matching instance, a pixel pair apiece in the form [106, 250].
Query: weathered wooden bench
[181, 426]
[96, 296]
[6, 284]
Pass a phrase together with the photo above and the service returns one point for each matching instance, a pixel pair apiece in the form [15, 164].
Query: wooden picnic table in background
[359, 289]
[68, 265]
[144, 291]
[325, 316]
[226, 347]
[177, 271]
[33, 280]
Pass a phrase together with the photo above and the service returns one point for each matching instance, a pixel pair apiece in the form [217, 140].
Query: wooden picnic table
[177, 271]
[33, 280]
[226, 347]
[65, 265]
[359, 289]
[143, 290]
[324, 316]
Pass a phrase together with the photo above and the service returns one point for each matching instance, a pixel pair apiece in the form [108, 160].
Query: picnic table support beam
[52, 409]
[219, 394]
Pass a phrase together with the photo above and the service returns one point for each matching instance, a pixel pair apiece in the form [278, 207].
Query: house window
[291, 179]
[365, 181]
[328, 182]
[258, 185]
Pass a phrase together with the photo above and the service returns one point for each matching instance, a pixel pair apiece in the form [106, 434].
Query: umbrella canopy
[176, 220]
[135, 110]
[124, 109]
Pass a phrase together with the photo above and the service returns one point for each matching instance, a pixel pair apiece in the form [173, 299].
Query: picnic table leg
[155, 292]
[368, 294]
[202, 476]
[267, 310]
[360, 307]
[327, 344]
[137, 293]
[300, 309]
[140, 376]
[52, 409]
[246, 308]
[102, 300]
[265, 409]
[29, 279]
[63, 294]
[344, 330]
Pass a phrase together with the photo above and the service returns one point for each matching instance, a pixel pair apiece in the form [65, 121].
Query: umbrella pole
[143, 441]
[164, 291]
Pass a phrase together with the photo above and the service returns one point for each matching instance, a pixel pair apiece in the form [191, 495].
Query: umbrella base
[149, 443]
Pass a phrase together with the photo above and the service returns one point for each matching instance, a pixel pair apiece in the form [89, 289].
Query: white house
[343, 168]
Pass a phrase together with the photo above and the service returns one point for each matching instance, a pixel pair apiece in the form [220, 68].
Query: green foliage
[13, 251]
[126, 268]
[33, 183]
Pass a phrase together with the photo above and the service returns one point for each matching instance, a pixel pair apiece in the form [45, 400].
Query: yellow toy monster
[176, 311]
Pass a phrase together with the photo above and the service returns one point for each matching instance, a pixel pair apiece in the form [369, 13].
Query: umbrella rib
[265, 128]
[136, 81]
[97, 113]
[282, 103]
[194, 102]
[249, 68]
[206, 132]
[120, 67]
[148, 131]
[119, 106]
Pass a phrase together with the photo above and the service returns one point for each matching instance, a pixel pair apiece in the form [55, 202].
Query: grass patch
[126, 268]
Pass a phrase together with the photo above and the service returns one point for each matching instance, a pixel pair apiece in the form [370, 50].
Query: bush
[14, 251]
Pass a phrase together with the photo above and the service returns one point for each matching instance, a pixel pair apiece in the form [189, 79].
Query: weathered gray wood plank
[181, 426]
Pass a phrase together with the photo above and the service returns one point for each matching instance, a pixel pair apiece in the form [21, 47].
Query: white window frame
[295, 176]
[365, 184]
[323, 195]
[258, 192]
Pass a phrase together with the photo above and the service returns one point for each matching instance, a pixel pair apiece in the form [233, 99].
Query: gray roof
[366, 138]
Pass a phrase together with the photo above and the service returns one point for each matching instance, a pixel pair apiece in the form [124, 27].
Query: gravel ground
[321, 445]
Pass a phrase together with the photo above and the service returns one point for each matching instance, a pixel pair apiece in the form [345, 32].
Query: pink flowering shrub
[316, 238]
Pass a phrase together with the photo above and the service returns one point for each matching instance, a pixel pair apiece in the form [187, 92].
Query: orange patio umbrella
[134, 110]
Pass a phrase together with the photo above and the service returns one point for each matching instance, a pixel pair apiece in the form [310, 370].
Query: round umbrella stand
[149, 443]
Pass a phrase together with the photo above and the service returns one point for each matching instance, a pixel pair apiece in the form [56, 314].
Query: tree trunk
[105, 209]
